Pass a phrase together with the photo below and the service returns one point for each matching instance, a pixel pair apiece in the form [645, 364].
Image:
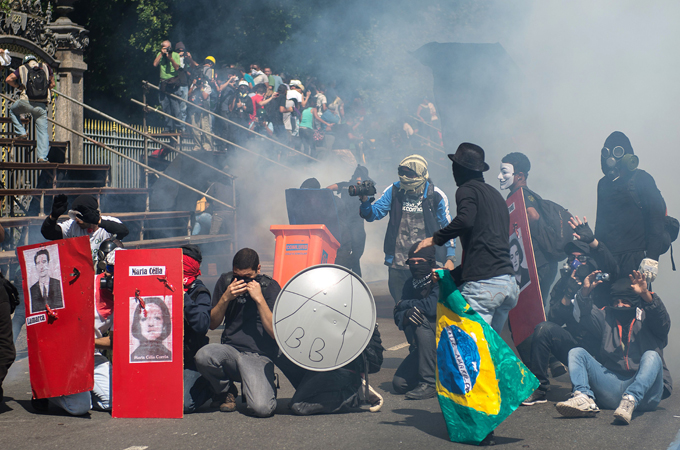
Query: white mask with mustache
[507, 175]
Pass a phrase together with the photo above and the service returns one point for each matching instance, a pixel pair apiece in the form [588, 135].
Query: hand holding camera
[364, 189]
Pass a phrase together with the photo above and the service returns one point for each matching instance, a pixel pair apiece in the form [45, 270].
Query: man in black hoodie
[630, 210]
[416, 316]
[629, 371]
[485, 277]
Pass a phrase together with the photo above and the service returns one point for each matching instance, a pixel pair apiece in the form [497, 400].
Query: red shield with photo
[529, 311]
[58, 282]
[148, 340]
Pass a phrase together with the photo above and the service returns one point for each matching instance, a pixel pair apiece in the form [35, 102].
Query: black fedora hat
[470, 156]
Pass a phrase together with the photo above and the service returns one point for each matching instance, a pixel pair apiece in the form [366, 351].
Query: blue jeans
[591, 378]
[222, 364]
[39, 112]
[492, 299]
[197, 390]
[203, 222]
[100, 396]
[183, 92]
[172, 106]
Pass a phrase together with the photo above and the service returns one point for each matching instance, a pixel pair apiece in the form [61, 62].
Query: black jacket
[196, 321]
[425, 299]
[629, 224]
[482, 223]
[647, 332]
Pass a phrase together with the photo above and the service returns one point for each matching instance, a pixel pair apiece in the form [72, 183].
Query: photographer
[169, 63]
[629, 370]
[350, 252]
[417, 209]
[243, 300]
[199, 95]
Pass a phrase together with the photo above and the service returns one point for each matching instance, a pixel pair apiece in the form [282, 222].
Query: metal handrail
[164, 114]
[146, 83]
[146, 135]
[122, 155]
[428, 124]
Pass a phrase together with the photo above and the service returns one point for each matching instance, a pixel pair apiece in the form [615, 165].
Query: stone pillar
[71, 40]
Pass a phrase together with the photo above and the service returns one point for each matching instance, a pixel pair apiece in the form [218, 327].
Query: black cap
[470, 156]
[192, 251]
[576, 246]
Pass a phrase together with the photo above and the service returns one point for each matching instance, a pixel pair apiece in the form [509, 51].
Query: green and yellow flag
[480, 381]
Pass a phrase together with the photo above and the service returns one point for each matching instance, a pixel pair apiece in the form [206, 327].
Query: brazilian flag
[480, 381]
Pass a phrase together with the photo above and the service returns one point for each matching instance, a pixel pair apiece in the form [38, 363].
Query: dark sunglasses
[581, 258]
[407, 172]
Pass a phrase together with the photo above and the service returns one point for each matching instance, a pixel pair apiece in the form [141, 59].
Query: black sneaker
[422, 392]
[40, 405]
[538, 396]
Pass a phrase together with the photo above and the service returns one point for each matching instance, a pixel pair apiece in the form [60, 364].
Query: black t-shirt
[243, 328]
[482, 222]
[531, 202]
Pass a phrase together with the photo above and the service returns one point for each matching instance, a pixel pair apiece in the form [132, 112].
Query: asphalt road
[400, 424]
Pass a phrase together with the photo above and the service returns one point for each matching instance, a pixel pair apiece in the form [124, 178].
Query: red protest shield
[148, 321]
[529, 311]
[59, 300]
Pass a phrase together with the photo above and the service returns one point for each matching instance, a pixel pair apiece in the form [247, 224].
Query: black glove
[572, 288]
[91, 216]
[585, 233]
[59, 206]
[415, 316]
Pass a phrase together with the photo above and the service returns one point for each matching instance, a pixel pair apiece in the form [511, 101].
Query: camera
[106, 282]
[602, 277]
[365, 188]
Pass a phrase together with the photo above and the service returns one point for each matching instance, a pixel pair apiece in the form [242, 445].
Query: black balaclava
[462, 174]
[621, 289]
[615, 162]
[310, 183]
[87, 207]
[422, 271]
[360, 172]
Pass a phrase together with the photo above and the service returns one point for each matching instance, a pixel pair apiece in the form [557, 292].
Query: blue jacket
[197, 306]
[435, 213]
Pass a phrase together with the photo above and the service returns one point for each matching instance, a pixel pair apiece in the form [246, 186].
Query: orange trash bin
[299, 247]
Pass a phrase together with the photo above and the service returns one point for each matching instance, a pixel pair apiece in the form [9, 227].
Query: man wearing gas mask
[513, 176]
[417, 209]
[243, 300]
[630, 210]
[629, 372]
[562, 331]
[416, 315]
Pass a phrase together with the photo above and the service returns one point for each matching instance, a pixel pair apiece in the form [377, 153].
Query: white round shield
[324, 317]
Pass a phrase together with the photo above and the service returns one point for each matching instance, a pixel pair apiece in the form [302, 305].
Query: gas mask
[507, 175]
[615, 162]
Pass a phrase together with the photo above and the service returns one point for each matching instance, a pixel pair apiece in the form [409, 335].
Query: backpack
[374, 352]
[671, 226]
[12, 293]
[37, 84]
[552, 231]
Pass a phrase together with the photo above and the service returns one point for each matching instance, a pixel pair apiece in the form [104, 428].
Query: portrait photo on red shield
[518, 259]
[151, 329]
[43, 276]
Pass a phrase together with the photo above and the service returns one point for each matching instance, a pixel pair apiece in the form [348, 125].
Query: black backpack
[12, 293]
[374, 352]
[552, 231]
[36, 83]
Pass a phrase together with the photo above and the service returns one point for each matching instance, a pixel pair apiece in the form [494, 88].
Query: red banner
[148, 322]
[529, 311]
[59, 300]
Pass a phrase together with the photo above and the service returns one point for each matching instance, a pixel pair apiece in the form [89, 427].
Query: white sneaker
[624, 413]
[579, 405]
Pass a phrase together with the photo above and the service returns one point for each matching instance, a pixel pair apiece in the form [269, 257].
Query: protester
[84, 220]
[197, 303]
[514, 173]
[629, 373]
[417, 209]
[485, 277]
[350, 252]
[585, 255]
[630, 210]
[35, 81]
[199, 95]
[169, 63]
[416, 316]
[8, 303]
[243, 300]
[185, 73]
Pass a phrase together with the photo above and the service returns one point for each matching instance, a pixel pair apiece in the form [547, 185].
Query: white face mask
[507, 175]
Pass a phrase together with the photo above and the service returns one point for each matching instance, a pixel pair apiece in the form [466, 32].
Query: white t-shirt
[286, 116]
[293, 94]
[70, 229]
[101, 324]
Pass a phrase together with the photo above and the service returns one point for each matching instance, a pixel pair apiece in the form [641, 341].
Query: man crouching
[630, 371]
